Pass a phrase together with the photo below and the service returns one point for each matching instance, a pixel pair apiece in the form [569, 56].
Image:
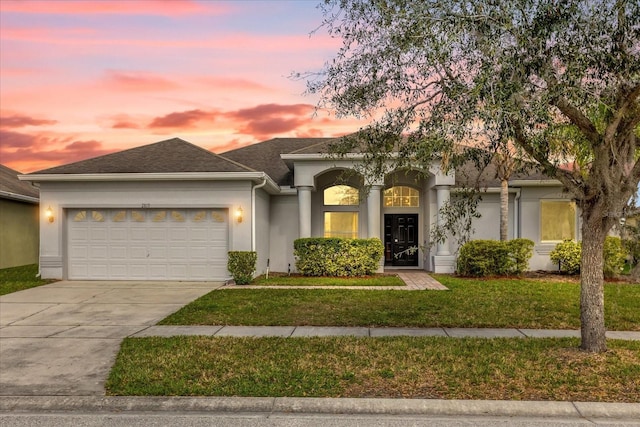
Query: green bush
[520, 252]
[320, 256]
[567, 255]
[480, 258]
[615, 255]
[241, 265]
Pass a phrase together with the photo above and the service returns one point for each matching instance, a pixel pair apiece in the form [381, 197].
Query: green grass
[16, 279]
[407, 367]
[281, 280]
[498, 303]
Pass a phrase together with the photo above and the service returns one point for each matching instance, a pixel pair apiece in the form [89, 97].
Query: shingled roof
[265, 156]
[171, 155]
[10, 185]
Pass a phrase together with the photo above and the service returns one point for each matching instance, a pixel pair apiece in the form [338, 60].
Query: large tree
[560, 79]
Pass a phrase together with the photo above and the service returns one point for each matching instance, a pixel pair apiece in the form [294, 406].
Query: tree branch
[577, 118]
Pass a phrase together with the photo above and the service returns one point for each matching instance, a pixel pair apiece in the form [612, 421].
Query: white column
[373, 212]
[442, 196]
[304, 211]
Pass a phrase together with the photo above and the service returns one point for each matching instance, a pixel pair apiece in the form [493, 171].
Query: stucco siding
[262, 233]
[180, 194]
[283, 231]
[19, 235]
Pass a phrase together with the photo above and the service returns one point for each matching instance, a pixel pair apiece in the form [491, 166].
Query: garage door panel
[137, 233]
[99, 253]
[138, 252]
[119, 234]
[118, 252]
[130, 244]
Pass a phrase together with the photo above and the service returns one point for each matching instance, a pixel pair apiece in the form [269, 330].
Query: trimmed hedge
[241, 265]
[480, 258]
[328, 256]
[568, 253]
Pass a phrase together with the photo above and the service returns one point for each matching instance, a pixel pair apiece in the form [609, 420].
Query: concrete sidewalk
[328, 331]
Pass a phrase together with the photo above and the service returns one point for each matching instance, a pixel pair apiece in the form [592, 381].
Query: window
[341, 224]
[557, 220]
[401, 196]
[341, 195]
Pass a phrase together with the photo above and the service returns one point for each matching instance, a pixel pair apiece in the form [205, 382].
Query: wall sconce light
[49, 214]
[239, 214]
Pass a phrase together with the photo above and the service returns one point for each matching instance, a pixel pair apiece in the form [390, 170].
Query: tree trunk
[592, 285]
[635, 273]
[504, 209]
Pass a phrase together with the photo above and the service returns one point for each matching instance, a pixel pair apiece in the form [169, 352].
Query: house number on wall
[146, 205]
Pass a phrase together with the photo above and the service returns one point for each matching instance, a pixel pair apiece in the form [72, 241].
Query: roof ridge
[233, 162]
[325, 140]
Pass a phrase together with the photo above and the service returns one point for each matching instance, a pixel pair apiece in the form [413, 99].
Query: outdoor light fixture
[239, 214]
[49, 214]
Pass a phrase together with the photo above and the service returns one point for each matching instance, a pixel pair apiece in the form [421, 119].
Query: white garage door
[147, 244]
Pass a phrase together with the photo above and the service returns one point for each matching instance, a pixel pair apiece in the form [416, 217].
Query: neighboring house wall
[19, 236]
[167, 194]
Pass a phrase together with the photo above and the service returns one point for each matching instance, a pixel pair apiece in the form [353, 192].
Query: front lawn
[497, 303]
[297, 280]
[394, 367]
[16, 279]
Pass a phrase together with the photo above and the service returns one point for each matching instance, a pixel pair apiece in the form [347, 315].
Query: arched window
[401, 196]
[341, 195]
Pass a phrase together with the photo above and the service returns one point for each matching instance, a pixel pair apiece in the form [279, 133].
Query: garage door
[147, 244]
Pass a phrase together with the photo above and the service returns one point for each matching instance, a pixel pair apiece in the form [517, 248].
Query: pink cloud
[184, 119]
[19, 120]
[264, 121]
[129, 7]
[125, 125]
[28, 152]
[137, 81]
[231, 83]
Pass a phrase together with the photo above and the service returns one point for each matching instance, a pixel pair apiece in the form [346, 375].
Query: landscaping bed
[394, 367]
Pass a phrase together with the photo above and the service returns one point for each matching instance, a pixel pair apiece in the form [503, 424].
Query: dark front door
[400, 234]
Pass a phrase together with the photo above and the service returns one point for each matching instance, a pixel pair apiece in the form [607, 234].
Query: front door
[400, 235]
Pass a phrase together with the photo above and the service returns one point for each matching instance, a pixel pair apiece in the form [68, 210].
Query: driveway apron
[62, 338]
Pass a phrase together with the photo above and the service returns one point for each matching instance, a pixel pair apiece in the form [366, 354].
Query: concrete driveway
[62, 338]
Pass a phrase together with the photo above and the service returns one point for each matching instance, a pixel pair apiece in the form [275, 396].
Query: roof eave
[19, 197]
[535, 183]
[256, 177]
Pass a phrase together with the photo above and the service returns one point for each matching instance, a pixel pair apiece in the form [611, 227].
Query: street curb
[354, 406]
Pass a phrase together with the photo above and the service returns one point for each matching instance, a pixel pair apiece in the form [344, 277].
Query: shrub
[320, 256]
[493, 257]
[615, 255]
[567, 255]
[520, 252]
[241, 265]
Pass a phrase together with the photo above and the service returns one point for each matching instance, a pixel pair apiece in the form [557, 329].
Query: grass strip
[16, 279]
[394, 367]
[328, 281]
[503, 303]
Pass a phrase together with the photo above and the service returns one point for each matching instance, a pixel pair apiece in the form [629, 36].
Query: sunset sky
[83, 78]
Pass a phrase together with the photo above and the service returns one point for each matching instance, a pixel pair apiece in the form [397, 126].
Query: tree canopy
[559, 80]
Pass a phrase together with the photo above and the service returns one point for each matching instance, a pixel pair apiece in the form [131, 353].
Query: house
[19, 220]
[172, 210]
